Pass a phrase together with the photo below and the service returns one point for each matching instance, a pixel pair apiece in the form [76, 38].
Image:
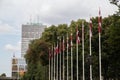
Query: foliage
[3, 75]
[37, 55]
[117, 3]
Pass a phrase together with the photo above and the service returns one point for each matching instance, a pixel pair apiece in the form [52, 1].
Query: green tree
[3, 75]
[114, 51]
[36, 58]
[37, 54]
[117, 3]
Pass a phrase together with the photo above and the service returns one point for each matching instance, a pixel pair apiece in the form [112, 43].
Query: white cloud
[53, 11]
[13, 48]
[7, 29]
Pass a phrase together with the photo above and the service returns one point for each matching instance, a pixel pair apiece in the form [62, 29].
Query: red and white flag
[90, 26]
[99, 22]
[77, 36]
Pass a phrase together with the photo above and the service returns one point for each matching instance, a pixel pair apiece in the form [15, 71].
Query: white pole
[63, 57]
[54, 62]
[99, 27]
[71, 59]
[60, 58]
[100, 54]
[49, 63]
[77, 52]
[57, 61]
[83, 49]
[90, 58]
[67, 56]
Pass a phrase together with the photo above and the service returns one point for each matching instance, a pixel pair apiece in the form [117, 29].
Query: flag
[57, 49]
[99, 21]
[77, 35]
[90, 26]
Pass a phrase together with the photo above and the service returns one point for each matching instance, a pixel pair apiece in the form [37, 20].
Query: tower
[30, 32]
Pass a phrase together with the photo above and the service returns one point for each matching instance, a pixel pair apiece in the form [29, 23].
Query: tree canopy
[37, 56]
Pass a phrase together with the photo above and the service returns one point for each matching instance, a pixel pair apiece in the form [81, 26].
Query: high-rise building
[29, 32]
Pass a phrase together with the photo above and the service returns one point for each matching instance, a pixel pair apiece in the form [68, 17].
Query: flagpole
[90, 32]
[67, 56]
[99, 30]
[83, 49]
[63, 57]
[71, 58]
[60, 58]
[90, 62]
[77, 52]
[57, 61]
[52, 65]
[54, 62]
[100, 54]
[49, 63]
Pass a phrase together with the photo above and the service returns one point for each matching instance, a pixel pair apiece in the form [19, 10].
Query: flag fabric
[99, 22]
[77, 36]
[90, 26]
[57, 49]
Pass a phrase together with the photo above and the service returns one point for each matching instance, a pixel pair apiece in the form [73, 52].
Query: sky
[14, 13]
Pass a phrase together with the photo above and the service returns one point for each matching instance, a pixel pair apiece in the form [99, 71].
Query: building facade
[19, 67]
[29, 32]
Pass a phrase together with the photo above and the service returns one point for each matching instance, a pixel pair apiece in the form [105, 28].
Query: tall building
[29, 32]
